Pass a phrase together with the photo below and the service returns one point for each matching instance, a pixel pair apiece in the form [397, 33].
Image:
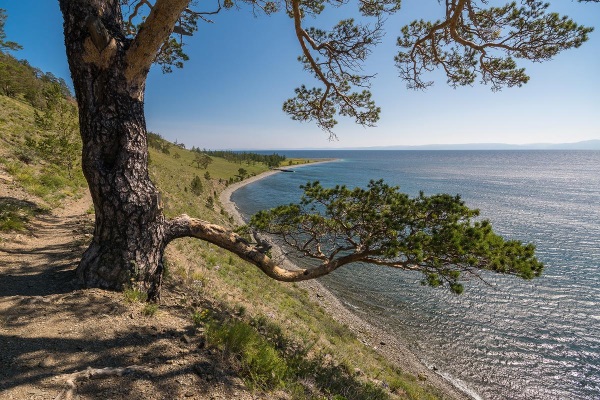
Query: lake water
[517, 339]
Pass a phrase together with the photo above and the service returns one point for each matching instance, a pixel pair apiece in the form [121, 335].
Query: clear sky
[243, 67]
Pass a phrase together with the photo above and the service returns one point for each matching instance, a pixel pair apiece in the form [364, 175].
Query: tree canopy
[436, 235]
[474, 42]
[6, 44]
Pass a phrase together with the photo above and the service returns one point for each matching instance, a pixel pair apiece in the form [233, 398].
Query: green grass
[260, 363]
[150, 309]
[135, 295]
[14, 214]
[48, 181]
[268, 360]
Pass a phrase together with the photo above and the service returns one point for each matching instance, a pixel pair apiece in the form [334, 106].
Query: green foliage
[39, 126]
[483, 42]
[242, 173]
[20, 80]
[59, 143]
[260, 362]
[270, 160]
[156, 141]
[201, 317]
[437, 235]
[5, 44]
[150, 309]
[196, 186]
[14, 214]
[202, 160]
[133, 295]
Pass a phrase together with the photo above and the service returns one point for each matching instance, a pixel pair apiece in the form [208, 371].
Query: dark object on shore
[284, 170]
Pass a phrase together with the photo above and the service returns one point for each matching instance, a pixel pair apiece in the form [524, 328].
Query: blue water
[517, 339]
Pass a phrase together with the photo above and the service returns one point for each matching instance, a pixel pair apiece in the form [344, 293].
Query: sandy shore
[386, 344]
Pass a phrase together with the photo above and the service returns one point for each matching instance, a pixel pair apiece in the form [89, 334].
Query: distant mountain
[584, 145]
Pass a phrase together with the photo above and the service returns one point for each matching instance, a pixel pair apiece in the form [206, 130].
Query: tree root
[96, 373]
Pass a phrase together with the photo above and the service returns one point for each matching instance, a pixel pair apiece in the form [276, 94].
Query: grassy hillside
[272, 334]
[309, 341]
[21, 158]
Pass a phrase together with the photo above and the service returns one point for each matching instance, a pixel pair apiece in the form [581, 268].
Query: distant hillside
[584, 145]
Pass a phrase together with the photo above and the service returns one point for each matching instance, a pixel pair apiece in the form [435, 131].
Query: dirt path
[50, 329]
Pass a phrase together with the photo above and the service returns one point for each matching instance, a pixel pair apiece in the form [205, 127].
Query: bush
[150, 309]
[134, 295]
[196, 186]
[260, 362]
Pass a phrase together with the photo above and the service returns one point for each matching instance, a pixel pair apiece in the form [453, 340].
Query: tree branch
[474, 41]
[150, 38]
[185, 226]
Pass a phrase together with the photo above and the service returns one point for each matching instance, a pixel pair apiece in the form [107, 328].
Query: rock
[46, 362]
[186, 339]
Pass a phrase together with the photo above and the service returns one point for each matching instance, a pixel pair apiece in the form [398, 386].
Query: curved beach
[386, 344]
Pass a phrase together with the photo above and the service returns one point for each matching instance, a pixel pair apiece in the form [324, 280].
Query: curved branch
[302, 35]
[185, 226]
[152, 34]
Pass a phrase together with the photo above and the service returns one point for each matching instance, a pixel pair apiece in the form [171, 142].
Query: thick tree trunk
[109, 73]
[128, 242]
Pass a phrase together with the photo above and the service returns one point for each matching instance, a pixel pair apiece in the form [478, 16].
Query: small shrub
[150, 309]
[134, 295]
[260, 362]
[14, 215]
[196, 186]
[200, 317]
[240, 310]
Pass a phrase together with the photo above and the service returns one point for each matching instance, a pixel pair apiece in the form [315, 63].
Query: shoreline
[225, 195]
[370, 335]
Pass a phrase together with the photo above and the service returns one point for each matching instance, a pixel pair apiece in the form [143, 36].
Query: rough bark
[128, 241]
[184, 226]
[109, 72]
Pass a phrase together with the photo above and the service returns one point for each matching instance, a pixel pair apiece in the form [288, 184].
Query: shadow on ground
[28, 361]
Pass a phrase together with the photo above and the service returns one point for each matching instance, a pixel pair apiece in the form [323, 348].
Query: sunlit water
[518, 339]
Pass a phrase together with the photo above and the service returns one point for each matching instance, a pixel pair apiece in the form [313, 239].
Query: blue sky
[242, 69]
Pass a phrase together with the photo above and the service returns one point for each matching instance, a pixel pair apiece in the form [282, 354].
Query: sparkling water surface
[516, 339]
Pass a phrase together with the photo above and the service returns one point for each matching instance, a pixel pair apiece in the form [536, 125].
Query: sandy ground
[52, 332]
[386, 344]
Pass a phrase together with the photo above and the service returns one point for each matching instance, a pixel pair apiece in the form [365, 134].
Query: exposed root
[96, 373]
